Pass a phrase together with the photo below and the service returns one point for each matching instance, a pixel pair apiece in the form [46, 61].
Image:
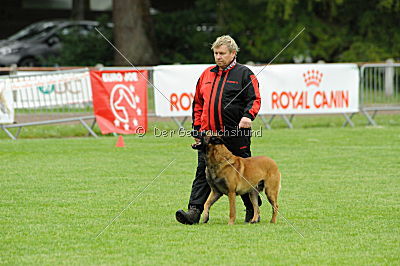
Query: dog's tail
[280, 181]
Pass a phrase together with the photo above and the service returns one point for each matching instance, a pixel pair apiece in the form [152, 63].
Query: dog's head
[206, 139]
[213, 140]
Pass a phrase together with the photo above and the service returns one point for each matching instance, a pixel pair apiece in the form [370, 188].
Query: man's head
[225, 50]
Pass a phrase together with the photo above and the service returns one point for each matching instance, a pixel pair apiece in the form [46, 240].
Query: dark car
[40, 40]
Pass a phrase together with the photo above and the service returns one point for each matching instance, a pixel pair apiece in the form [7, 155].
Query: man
[227, 99]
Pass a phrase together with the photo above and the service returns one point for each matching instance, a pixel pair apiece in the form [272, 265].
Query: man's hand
[197, 144]
[245, 122]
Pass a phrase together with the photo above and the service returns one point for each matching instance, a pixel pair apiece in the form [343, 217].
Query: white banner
[6, 102]
[174, 90]
[284, 89]
[51, 89]
[309, 88]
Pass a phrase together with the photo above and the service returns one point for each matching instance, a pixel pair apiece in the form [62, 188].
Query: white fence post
[389, 77]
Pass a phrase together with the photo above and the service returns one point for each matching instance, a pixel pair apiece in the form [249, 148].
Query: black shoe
[249, 216]
[192, 216]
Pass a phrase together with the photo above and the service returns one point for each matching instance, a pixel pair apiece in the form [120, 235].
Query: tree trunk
[79, 8]
[133, 33]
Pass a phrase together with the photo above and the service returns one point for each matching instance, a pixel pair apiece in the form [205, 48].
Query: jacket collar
[231, 65]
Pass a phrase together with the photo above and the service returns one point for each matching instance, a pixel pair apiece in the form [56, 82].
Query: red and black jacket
[223, 97]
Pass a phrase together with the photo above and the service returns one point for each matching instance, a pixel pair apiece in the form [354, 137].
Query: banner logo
[312, 77]
[122, 102]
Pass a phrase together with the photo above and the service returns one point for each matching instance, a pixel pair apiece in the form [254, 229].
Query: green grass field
[340, 190]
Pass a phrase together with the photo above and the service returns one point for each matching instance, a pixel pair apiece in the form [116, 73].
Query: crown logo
[312, 77]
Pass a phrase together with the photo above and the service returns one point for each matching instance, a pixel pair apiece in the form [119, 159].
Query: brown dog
[232, 175]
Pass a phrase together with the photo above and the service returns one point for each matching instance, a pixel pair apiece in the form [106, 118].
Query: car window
[80, 29]
[34, 31]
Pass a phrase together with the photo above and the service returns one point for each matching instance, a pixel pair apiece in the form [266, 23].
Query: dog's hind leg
[256, 208]
[212, 198]
[272, 191]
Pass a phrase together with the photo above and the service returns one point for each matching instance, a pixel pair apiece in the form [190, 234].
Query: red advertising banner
[120, 100]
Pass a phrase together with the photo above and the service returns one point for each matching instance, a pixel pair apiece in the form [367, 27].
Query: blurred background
[150, 32]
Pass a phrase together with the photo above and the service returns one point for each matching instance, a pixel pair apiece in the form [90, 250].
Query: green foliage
[362, 52]
[185, 36]
[335, 30]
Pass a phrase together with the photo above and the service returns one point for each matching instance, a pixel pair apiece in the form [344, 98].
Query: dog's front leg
[232, 207]
[212, 198]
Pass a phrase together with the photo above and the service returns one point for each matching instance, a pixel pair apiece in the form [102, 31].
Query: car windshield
[34, 31]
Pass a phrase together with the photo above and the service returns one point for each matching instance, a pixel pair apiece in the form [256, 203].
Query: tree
[133, 33]
[79, 7]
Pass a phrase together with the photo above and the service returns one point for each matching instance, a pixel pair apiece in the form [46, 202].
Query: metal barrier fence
[53, 97]
[379, 89]
[67, 94]
[56, 92]
[53, 91]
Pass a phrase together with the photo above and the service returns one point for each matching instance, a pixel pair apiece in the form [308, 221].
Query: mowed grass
[340, 190]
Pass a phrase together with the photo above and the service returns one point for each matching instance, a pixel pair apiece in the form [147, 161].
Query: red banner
[120, 100]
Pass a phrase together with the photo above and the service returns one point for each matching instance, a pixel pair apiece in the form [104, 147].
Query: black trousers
[239, 146]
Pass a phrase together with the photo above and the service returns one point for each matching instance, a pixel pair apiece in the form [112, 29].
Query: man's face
[222, 56]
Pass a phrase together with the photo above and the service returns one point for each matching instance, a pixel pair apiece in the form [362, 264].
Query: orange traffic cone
[120, 141]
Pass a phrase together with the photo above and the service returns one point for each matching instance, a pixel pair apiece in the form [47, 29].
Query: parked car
[40, 40]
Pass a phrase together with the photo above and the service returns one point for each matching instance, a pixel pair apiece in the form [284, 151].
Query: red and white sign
[120, 100]
[174, 88]
[284, 89]
[309, 89]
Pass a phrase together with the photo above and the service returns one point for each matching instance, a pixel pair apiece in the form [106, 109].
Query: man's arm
[253, 100]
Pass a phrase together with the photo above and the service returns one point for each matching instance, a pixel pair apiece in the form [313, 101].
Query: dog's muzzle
[198, 135]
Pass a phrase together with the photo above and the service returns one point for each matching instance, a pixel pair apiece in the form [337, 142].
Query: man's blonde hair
[226, 40]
